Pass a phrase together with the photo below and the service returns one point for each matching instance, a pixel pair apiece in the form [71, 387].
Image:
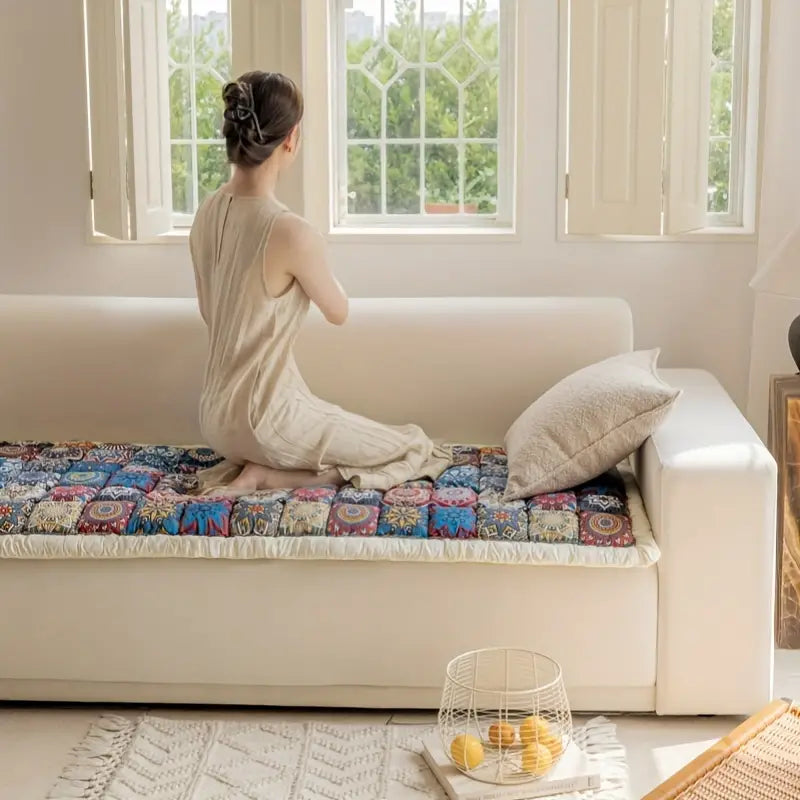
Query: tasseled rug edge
[92, 763]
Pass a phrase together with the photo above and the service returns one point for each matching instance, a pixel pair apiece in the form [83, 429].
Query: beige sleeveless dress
[255, 405]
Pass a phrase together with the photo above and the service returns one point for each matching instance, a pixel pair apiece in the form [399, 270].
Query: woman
[257, 266]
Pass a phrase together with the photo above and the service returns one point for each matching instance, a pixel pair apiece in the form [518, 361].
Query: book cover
[573, 773]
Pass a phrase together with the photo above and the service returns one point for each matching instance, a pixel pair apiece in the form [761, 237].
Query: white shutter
[268, 35]
[107, 104]
[688, 115]
[150, 184]
[616, 116]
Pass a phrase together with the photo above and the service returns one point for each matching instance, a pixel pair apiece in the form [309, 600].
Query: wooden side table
[784, 442]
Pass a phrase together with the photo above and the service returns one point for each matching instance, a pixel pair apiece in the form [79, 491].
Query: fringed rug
[760, 760]
[160, 759]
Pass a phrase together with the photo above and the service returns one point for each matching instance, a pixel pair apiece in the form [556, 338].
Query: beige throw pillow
[587, 423]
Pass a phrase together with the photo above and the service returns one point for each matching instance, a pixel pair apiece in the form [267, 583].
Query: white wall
[691, 299]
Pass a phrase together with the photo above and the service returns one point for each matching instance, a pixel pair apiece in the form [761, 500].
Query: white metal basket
[504, 716]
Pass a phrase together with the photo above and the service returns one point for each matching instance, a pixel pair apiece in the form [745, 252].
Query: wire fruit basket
[504, 716]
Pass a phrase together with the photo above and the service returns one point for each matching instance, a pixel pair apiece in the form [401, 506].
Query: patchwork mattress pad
[93, 500]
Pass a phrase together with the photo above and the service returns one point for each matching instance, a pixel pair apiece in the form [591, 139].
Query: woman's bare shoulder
[294, 233]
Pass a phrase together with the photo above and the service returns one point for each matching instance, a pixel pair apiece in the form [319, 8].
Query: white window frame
[738, 226]
[503, 220]
[181, 220]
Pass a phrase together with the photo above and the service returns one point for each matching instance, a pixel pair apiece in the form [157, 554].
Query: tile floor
[35, 739]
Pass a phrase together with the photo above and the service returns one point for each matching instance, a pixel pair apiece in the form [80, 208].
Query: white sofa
[689, 635]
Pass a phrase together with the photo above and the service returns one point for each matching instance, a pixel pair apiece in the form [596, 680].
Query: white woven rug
[159, 759]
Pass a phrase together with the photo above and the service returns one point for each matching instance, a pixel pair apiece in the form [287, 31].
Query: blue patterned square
[602, 504]
[112, 453]
[492, 470]
[492, 483]
[156, 514]
[467, 476]
[452, 522]
[403, 521]
[136, 479]
[83, 475]
[206, 518]
[51, 465]
[508, 523]
[36, 478]
[256, 517]
[9, 469]
[14, 516]
[158, 457]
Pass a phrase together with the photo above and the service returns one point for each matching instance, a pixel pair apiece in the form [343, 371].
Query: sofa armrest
[710, 489]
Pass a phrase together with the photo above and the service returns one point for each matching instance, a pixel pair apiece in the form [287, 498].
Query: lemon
[553, 744]
[536, 759]
[466, 751]
[533, 729]
[502, 734]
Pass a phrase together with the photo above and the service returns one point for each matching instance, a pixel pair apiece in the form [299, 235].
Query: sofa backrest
[130, 369]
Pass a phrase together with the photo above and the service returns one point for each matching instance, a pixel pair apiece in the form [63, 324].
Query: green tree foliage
[212, 61]
[432, 183]
[719, 164]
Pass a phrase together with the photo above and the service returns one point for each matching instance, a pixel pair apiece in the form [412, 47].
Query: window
[727, 128]
[424, 112]
[658, 145]
[199, 41]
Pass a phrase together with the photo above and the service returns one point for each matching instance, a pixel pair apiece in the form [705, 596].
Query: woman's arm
[297, 251]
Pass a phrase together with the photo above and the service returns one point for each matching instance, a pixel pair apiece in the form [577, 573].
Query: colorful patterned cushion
[553, 527]
[605, 530]
[492, 483]
[10, 468]
[14, 515]
[54, 516]
[408, 496]
[491, 497]
[206, 518]
[101, 466]
[255, 517]
[465, 456]
[112, 453]
[106, 516]
[359, 497]
[18, 491]
[610, 482]
[304, 518]
[468, 476]
[66, 494]
[68, 452]
[504, 522]
[178, 483]
[488, 452]
[23, 450]
[448, 522]
[144, 480]
[197, 458]
[401, 520]
[119, 494]
[556, 501]
[422, 483]
[156, 514]
[454, 496]
[158, 457]
[494, 460]
[602, 503]
[492, 470]
[52, 465]
[349, 519]
[81, 475]
[36, 478]
[318, 494]
[269, 495]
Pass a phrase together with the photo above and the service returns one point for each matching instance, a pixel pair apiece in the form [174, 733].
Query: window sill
[711, 235]
[421, 235]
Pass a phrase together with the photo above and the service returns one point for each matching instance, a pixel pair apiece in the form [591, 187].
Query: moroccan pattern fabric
[90, 488]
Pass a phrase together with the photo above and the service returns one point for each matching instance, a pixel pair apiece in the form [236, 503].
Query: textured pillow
[586, 424]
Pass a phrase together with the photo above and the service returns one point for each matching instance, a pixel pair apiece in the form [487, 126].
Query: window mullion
[423, 194]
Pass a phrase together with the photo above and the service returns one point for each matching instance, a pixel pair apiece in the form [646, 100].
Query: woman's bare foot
[255, 477]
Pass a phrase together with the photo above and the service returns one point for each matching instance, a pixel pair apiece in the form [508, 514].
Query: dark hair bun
[261, 111]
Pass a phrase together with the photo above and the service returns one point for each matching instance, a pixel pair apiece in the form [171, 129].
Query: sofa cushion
[586, 423]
